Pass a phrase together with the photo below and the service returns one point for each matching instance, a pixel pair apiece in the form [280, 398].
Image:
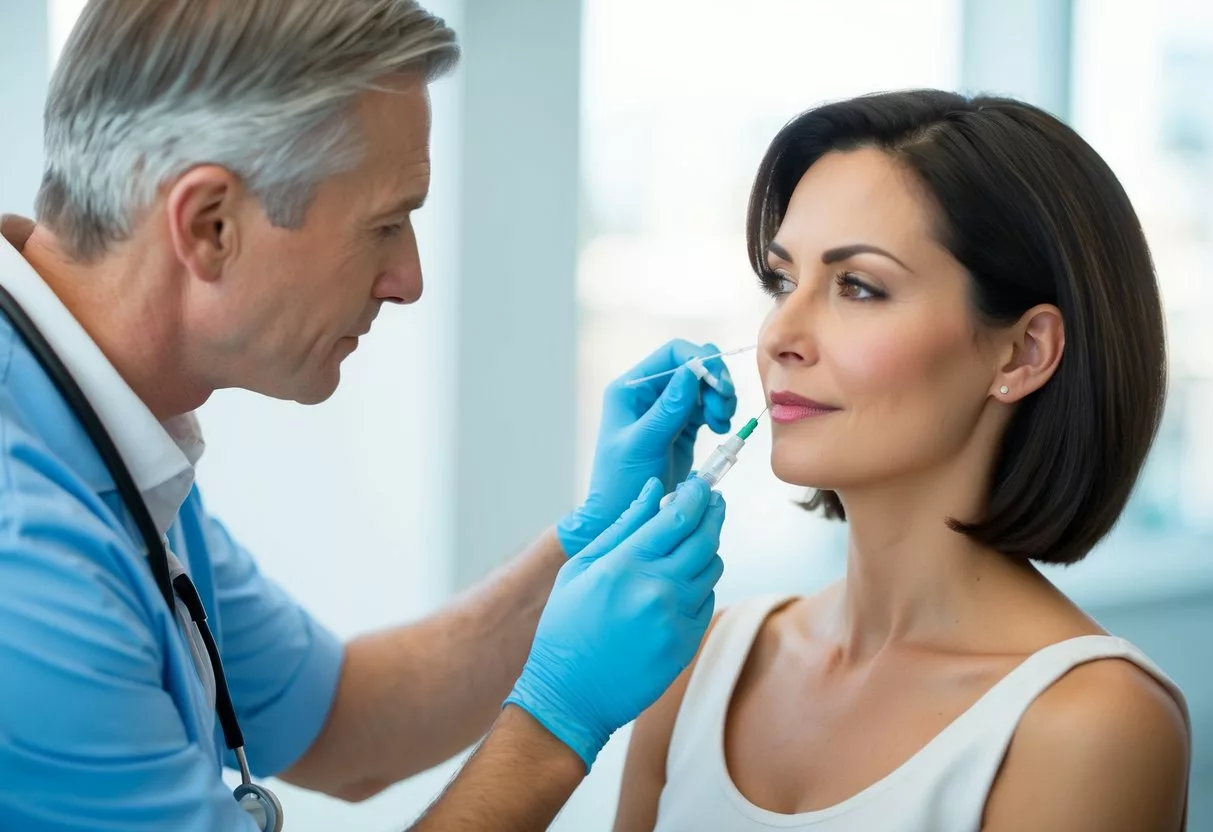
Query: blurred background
[591, 166]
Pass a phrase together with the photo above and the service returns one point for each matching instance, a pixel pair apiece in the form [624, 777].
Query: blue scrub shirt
[104, 723]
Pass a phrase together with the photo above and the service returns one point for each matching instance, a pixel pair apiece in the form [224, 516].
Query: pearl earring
[1004, 389]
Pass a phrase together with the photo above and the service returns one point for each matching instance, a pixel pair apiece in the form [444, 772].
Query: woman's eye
[850, 286]
[777, 283]
[390, 230]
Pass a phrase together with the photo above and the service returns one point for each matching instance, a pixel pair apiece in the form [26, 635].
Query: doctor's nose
[401, 282]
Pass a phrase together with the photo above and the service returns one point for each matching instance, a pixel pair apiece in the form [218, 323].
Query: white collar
[161, 456]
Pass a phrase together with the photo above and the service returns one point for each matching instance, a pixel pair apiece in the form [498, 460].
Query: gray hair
[147, 89]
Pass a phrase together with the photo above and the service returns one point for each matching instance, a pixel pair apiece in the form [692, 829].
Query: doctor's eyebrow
[836, 255]
[413, 202]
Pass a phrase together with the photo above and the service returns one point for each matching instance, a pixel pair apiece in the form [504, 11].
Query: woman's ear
[1034, 346]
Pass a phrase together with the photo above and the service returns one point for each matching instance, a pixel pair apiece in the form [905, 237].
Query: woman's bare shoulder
[1106, 747]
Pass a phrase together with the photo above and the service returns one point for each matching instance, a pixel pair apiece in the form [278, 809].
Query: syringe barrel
[717, 465]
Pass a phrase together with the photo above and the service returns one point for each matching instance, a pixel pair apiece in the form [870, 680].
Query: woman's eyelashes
[777, 283]
[851, 286]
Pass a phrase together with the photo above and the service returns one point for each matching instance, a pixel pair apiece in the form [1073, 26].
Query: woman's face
[870, 357]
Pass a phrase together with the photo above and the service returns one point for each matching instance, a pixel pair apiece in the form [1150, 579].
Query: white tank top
[942, 788]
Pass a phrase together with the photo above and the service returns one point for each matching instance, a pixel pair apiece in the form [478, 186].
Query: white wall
[24, 73]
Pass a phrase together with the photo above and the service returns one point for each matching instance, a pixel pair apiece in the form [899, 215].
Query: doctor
[226, 203]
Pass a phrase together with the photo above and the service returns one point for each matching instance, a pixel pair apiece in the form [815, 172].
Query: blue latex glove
[648, 431]
[625, 617]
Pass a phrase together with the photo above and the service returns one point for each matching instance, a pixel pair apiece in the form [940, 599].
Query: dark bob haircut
[1035, 216]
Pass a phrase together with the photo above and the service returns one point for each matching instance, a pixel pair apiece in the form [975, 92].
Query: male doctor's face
[296, 300]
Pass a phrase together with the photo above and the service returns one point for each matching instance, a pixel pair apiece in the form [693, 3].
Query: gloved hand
[625, 617]
[648, 430]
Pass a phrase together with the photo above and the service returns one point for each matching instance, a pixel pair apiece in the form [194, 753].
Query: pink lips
[788, 407]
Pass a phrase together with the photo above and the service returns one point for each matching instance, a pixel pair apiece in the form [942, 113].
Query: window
[1142, 75]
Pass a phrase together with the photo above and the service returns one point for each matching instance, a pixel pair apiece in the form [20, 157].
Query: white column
[1019, 48]
[25, 45]
[518, 221]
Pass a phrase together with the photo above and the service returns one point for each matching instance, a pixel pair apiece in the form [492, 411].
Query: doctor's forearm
[517, 781]
[414, 696]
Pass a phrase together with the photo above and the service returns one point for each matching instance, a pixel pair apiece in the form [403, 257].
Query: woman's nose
[788, 335]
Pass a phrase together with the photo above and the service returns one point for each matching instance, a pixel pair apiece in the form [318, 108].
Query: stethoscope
[259, 802]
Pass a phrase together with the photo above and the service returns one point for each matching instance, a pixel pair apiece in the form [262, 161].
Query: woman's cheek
[889, 357]
[873, 362]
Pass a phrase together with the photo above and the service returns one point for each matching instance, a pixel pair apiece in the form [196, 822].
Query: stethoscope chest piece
[261, 805]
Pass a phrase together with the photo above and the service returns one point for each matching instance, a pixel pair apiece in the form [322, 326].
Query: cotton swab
[696, 365]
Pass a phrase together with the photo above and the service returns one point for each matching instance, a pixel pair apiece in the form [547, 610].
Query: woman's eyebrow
[779, 251]
[839, 254]
[835, 255]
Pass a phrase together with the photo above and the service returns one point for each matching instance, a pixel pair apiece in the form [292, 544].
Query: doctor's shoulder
[51, 520]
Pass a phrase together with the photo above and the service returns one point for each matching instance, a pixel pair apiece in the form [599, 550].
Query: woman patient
[965, 356]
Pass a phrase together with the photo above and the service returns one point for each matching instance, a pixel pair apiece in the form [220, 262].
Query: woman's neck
[910, 578]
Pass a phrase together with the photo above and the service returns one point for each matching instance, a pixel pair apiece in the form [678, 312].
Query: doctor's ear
[203, 206]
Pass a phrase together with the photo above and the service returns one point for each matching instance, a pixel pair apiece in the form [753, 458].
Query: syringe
[722, 459]
[696, 365]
